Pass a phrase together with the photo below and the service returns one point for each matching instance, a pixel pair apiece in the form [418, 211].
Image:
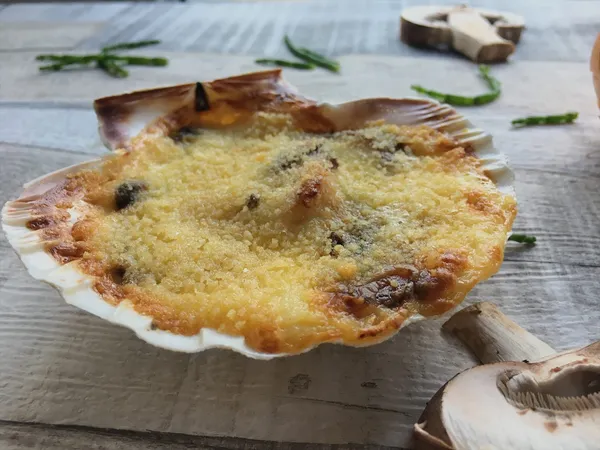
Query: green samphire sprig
[462, 100]
[556, 119]
[106, 60]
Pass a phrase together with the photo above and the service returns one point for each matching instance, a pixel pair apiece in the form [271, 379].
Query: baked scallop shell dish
[238, 213]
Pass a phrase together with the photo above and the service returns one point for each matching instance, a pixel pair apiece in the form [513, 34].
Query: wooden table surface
[70, 380]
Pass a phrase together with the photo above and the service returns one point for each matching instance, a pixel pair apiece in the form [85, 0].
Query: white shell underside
[76, 287]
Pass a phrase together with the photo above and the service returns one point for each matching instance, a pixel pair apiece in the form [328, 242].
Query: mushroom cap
[427, 25]
[550, 404]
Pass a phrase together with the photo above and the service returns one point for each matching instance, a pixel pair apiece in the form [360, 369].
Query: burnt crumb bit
[316, 149]
[128, 193]
[386, 156]
[293, 161]
[153, 326]
[66, 252]
[253, 201]
[184, 134]
[336, 239]
[355, 238]
[334, 163]
[368, 384]
[39, 222]
[298, 159]
[117, 274]
[309, 191]
[400, 147]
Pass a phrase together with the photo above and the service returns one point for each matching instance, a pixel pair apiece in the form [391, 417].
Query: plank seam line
[349, 405]
[580, 175]
[50, 104]
[533, 261]
[182, 438]
[36, 49]
[53, 149]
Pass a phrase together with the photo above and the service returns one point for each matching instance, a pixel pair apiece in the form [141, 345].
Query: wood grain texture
[61, 127]
[340, 27]
[164, 391]
[43, 37]
[528, 87]
[72, 12]
[61, 366]
[566, 29]
[63, 361]
[20, 436]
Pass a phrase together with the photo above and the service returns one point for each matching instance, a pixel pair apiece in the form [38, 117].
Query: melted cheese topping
[251, 231]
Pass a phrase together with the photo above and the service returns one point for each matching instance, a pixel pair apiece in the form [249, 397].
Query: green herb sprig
[130, 45]
[461, 100]
[522, 239]
[312, 57]
[112, 68]
[285, 63]
[556, 119]
[106, 60]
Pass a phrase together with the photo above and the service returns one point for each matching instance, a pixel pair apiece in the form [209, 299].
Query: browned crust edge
[227, 101]
[223, 103]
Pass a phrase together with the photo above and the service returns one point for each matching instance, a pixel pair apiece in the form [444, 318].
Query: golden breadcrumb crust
[284, 237]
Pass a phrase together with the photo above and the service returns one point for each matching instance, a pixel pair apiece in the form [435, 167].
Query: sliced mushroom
[482, 35]
[476, 38]
[128, 192]
[315, 195]
[184, 135]
[550, 404]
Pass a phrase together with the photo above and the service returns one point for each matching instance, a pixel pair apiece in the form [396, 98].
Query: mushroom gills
[572, 389]
[546, 405]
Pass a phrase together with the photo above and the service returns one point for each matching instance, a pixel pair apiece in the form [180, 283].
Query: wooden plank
[567, 29]
[66, 367]
[528, 87]
[557, 182]
[69, 127]
[17, 436]
[50, 361]
[61, 12]
[564, 32]
[16, 36]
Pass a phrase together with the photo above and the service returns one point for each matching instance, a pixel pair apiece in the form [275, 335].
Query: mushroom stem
[493, 337]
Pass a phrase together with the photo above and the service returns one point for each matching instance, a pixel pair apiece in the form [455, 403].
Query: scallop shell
[157, 111]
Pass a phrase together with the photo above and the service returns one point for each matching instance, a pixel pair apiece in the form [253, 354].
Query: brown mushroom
[315, 194]
[553, 403]
[481, 35]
